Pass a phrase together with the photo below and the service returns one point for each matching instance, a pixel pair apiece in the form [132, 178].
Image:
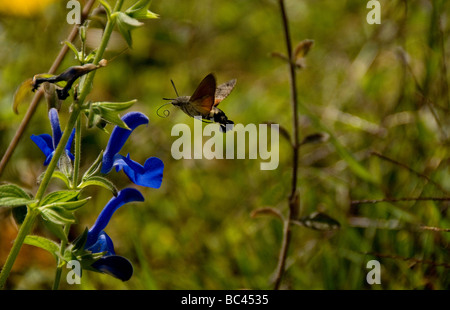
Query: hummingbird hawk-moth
[204, 101]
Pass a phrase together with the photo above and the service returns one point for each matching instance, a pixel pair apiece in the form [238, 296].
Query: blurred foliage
[377, 88]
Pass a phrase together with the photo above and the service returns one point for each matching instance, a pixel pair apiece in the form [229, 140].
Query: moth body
[204, 102]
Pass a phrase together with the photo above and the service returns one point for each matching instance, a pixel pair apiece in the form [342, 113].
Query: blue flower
[48, 143]
[98, 241]
[149, 175]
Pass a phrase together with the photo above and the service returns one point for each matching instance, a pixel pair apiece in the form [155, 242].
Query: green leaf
[267, 211]
[56, 229]
[140, 10]
[63, 177]
[74, 50]
[115, 106]
[12, 190]
[60, 196]
[68, 205]
[112, 117]
[43, 243]
[303, 48]
[58, 215]
[94, 168]
[315, 138]
[90, 57]
[22, 92]
[100, 181]
[12, 196]
[125, 24]
[318, 221]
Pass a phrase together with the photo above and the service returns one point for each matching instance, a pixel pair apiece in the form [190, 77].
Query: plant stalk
[76, 163]
[62, 248]
[293, 197]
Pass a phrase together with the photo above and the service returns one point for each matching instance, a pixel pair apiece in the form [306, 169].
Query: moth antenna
[173, 84]
[166, 112]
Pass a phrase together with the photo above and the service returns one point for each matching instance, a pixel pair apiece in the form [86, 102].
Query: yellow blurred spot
[24, 8]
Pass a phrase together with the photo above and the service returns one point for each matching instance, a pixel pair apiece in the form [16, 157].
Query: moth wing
[223, 90]
[203, 97]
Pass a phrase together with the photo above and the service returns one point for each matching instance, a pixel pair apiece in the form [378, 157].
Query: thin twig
[37, 97]
[373, 201]
[410, 259]
[294, 196]
[364, 222]
[445, 86]
[421, 175]
[432, 228]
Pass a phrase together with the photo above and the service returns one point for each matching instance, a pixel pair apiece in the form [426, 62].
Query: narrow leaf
[58, 215]
[74, 50]
[94, 168]
[44, 244]
[12, 196]
[68, 205]
[125, 24]
[100, 181]
[115, 106]
[11, 190]
[60, 196]
[267, 211]
[283, 131]
[112, 117]
[318, 221]
[140, 10]
[303, 48]
[315, 138]
[21, 93]
[279, 55]
[15, 202]
[56, 229]
[63, 177]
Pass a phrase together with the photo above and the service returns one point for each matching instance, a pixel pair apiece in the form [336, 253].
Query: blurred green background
[377, 88]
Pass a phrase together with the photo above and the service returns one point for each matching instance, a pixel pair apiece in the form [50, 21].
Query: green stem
[98, 56]
[76, 163]
[24, 230]
[32, 211]
[293, 197]
[60, 265]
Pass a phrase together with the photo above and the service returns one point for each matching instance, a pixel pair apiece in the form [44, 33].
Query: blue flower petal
[103, 244]
[149, 175]
[116, 266]
[48, 143]
[119, 136]
[44, 142]
[69, 145]
[56, 128]
[124, 196]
